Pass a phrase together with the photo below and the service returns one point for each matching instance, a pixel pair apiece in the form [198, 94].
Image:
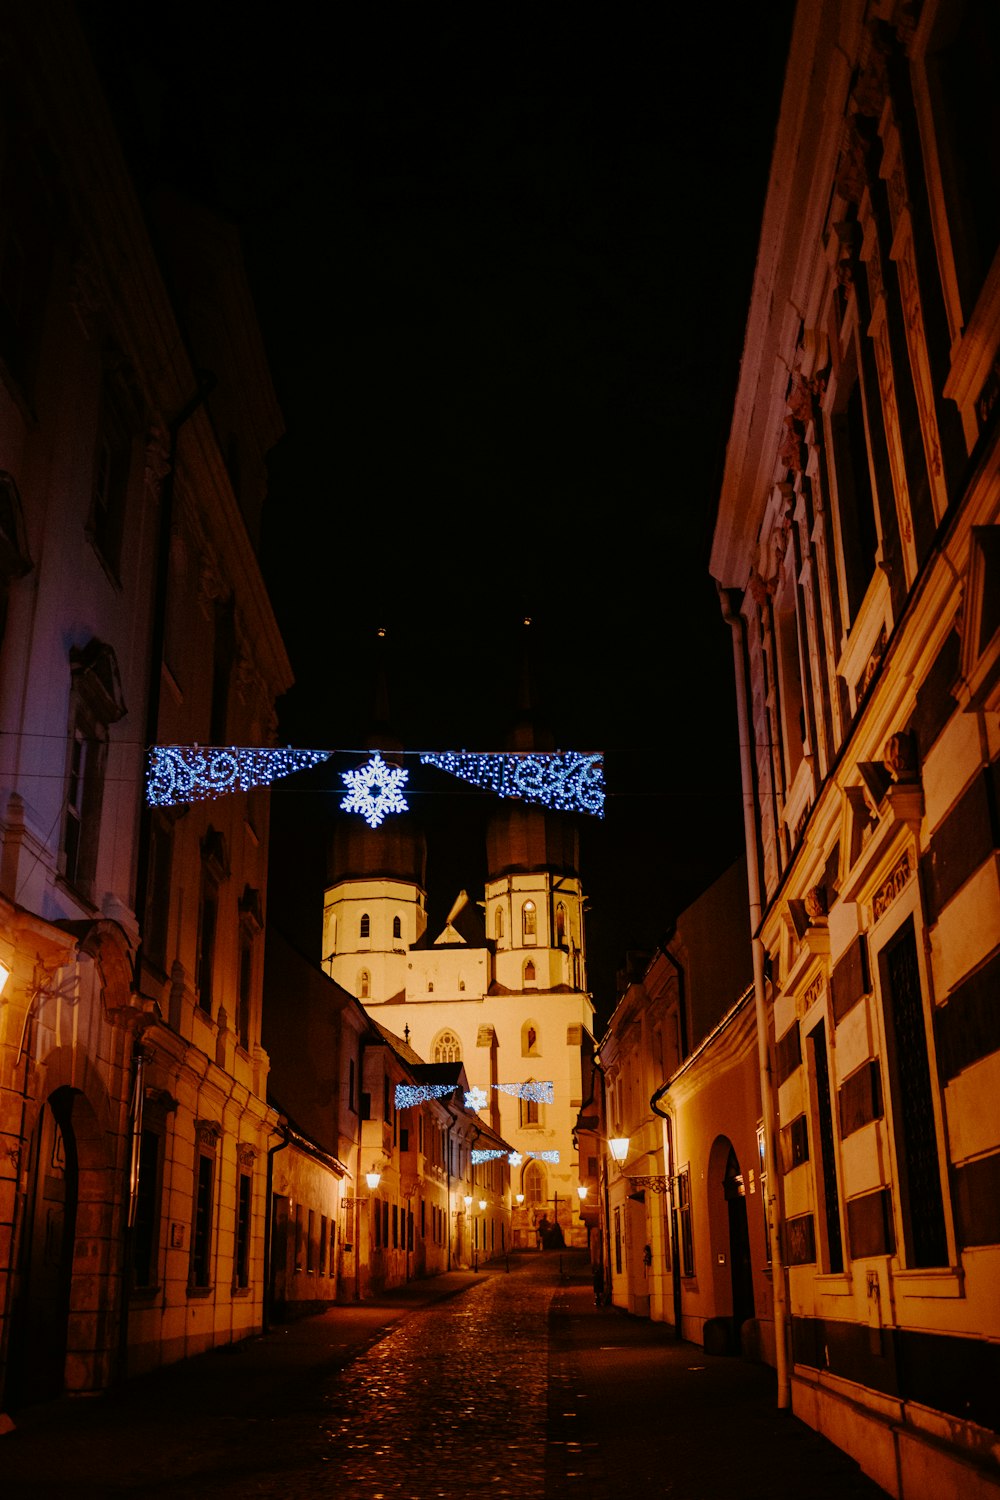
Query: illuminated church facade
[502, 987]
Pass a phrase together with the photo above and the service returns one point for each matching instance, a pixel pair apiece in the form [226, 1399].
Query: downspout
[606, 1248]
[731, 614]
[447, 1169]
[675, 1268]
[268, 1215]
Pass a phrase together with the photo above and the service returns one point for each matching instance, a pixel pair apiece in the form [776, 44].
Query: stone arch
[65, 1314]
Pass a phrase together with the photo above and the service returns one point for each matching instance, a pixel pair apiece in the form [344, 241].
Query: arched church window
[397, 927]
[447, 1047]
[529, 971]
[529, 1040]
[560, 925]
[499, 924]
[529, 922]
[530, 1111]
[534, 1185]
[364, 985]
[366, 925]
[461, 985]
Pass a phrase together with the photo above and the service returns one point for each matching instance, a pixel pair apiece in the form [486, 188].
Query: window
[203, 1216]
[214, 869]
[364, 985]
[145, 1233]
[855, 493]
[251, 923]
[534, 1185]
[365, 929]
[684, 1221]
[223, 663]
[560, 925]
[116, 427]
[618, 1241]
[447, 1048]
[161, 859]
[529, 1040]
[529, 918]
[498, 924]
[529, 1111]
[916, 1142]
[397, 927]
[324, 1264]
[25, 246]
[529, 972]
[377, 1211]
[15, 560]
[95, 703]
[244, 1200]
[311, 1244]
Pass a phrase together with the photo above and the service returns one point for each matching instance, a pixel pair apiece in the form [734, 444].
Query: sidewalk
[630, 1409]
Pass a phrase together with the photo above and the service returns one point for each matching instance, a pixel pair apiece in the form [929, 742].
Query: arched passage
[63, 1311]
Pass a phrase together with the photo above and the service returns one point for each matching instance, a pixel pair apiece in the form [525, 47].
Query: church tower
[502, 986]
[375, 907]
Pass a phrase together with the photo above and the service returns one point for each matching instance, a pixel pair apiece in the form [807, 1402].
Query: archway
[61, 1326]
[740, 1263]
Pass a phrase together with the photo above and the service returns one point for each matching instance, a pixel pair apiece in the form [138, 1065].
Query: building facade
[134, 1124]
[856, 550]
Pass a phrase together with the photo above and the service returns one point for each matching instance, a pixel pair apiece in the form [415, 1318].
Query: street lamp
[618, 1146]
[373, 1178]
[582, 1191]
[520, 1198]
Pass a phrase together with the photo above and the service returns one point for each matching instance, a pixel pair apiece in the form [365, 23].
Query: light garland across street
[563, 779]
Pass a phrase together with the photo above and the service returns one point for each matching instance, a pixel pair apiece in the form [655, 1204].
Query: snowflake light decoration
[374, 790]
[544, 1156]
[481, 1156]
[515, 1158]
[476, 1099]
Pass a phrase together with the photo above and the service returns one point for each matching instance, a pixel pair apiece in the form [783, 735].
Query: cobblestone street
[511, 1383]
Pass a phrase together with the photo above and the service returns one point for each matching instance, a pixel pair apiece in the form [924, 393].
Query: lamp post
[482, 1210]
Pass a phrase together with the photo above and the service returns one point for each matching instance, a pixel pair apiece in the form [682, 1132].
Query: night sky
[502, 263]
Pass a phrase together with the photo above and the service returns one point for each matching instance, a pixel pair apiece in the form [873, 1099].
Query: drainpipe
[268, 1215]
[447, 1169]
[675, 1268]
[606, 1249]
[731, 614]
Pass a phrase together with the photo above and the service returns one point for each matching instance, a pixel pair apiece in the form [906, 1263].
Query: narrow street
[507, 1382]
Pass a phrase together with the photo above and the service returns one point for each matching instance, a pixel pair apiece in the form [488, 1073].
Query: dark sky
[502, 262]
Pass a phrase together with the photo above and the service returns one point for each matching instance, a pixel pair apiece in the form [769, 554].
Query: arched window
[447, 1047]
[397, 927]
[529, 1111]
[560, 925]
[498, 924]
[461, 985]
[529, 922]
[529, 1040]
[534, 1185]
[366, 925]
[364, 985]
[529, 971]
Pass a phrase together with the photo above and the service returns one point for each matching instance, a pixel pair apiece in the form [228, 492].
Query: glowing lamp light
[618, 1146]
[467, 1200]
[373, 1178]
[520, 1198]
[482, 1204]
[582, 1192]
[4, 976]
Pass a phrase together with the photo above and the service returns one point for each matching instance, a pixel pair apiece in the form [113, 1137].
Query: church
[502, 987]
